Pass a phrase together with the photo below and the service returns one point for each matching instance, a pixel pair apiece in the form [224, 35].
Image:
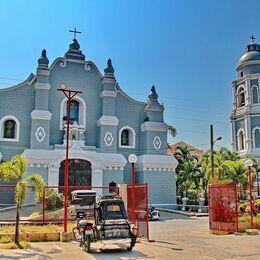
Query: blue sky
[187, 49]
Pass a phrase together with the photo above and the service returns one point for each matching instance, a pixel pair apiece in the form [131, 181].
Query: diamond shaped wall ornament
[108, 139]
[40, 134]
[157, 142]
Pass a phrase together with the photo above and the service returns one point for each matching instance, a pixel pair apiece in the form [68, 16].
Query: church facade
[106, 126]
[245, 116]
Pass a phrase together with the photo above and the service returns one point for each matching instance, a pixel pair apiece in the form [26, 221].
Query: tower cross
[74, 32]
[252, 38]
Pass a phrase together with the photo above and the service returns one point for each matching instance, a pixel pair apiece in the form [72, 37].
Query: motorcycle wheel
[87, 244]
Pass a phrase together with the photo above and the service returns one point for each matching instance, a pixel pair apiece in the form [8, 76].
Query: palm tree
[183, 153]
[205, 170]
[15, 171]
[226, 154]
[188, 174]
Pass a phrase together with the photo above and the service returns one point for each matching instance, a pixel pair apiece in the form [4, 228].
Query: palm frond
[38, 184]
[8, 172]
[20, 164]
[172, 130]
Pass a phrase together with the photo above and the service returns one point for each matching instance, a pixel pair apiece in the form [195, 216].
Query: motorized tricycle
[104, 220]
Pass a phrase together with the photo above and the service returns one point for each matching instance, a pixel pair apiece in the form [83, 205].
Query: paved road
[10, 214]
[176, 237]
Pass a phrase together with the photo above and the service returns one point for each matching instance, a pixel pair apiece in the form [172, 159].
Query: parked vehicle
[153, 213]
[107, 223]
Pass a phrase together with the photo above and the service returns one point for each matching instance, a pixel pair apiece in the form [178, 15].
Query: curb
[14, 207]
[187, 214]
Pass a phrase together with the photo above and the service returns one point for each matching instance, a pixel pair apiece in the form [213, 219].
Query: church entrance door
[79, 173]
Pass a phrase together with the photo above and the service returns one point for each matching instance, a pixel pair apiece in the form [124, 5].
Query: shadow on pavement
[25, 254]
[157, 243]
[117, 253]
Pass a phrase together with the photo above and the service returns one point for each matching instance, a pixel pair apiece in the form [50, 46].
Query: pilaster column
[248, 93]
[234, 136]
[53, 176]
[248, 133]
[97, 179]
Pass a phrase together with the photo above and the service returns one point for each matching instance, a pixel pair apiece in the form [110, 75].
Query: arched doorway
[79, 173]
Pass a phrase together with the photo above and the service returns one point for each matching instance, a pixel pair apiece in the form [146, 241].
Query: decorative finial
[153, 95]
[109, 68]
[74, 45]
[74, 32]
[252, 38]
[43, 59]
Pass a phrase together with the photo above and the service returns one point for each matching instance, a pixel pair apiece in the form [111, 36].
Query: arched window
[9, 129]
[77, 113]
[241, 73]
[127, 137]
[74, 111]
[256, 137]
[240, 97]
[241, 139]
[255, 94]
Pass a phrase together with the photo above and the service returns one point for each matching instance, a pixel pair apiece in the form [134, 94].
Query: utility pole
[211, 150]
[212, 142]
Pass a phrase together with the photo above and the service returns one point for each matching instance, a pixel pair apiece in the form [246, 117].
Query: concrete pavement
[176, 237]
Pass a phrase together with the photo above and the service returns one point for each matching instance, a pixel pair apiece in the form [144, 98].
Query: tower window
[241, 73]
[241, 139]
[240, 97]
[255, 94]
[256, 137]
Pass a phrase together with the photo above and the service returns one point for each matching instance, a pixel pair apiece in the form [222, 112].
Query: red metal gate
[223, 207]
[141, 208]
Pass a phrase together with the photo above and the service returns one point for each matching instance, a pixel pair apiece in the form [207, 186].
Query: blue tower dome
[251, 57]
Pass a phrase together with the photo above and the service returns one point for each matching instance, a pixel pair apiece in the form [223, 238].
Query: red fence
[51, 209]
[141, 208]
[229, 205]
[223, 207]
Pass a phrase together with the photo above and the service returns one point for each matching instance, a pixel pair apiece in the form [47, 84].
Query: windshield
[114, 210]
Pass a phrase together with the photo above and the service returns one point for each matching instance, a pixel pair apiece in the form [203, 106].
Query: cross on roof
[252, 38]
[74, 32]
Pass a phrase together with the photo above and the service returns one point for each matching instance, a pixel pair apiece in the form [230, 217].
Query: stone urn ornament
[184, 201]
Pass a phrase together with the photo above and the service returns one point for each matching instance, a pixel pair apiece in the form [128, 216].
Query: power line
[11, 79]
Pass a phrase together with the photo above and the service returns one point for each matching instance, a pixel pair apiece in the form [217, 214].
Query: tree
[228, 155]
[205, 170]
[187, 171]
[183, 154]
[235, 172]
[15, 171]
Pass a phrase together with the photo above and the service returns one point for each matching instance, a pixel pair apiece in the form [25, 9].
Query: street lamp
[249, 163]
[257, 182]
[133, 159]
[70, 94]
[212, 142]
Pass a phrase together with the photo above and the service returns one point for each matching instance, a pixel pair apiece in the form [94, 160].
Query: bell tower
[245, 116]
